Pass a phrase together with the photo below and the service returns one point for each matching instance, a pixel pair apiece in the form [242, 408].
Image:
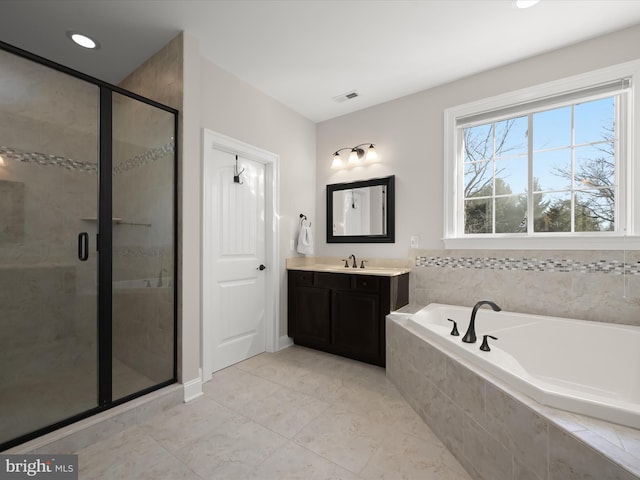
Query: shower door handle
[83, 246]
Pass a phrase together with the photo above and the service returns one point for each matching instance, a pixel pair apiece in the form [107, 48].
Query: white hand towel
[305, 240]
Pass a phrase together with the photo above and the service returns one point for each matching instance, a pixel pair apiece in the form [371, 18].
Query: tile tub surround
[587, 285]
[496, 432]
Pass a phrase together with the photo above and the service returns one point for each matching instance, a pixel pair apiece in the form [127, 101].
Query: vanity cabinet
[344, 313]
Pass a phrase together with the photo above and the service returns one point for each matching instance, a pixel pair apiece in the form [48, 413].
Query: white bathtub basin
[585, 367]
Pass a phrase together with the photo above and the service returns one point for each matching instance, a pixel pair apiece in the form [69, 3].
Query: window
[555, 166]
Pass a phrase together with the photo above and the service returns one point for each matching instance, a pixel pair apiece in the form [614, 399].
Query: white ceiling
[304, 52]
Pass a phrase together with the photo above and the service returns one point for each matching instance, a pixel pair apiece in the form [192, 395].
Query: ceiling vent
[345, 96]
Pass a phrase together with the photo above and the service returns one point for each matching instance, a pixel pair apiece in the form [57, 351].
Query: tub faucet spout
[470, 336]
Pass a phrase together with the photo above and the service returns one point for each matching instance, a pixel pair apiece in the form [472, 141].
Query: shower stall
[87, 246]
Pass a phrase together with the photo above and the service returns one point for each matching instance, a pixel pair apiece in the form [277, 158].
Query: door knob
[261, 267]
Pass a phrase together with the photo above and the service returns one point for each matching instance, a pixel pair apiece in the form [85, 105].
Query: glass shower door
[48, 260]
[143, 303]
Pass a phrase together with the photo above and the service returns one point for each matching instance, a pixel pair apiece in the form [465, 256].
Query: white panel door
[238, 287]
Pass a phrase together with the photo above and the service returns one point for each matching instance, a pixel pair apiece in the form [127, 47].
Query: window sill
[551, 242]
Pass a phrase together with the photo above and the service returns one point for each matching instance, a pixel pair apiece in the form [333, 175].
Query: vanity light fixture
[356, 155]
[2, 164]
[83, 40]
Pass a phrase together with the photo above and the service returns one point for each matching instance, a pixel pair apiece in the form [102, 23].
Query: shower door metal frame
[104, 244]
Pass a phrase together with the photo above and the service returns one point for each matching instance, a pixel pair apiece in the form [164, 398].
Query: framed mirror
[362, 211]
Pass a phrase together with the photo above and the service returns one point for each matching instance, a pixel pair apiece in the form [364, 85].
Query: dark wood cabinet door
[343, 313]
[311, 318]
[355, 326]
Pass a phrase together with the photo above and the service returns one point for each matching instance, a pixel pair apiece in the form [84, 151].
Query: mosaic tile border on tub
[614, 267]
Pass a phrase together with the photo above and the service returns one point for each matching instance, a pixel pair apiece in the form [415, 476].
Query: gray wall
[216, 100]
[409, 137]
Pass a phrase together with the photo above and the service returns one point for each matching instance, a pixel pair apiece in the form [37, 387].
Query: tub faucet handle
[454, 331]
[485, 344]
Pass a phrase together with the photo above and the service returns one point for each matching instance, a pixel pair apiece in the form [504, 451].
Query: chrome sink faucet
[470, 336]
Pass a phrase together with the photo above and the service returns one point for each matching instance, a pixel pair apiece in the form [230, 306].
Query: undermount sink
[382, 271]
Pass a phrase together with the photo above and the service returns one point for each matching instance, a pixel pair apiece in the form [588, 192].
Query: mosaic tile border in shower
[145, 158]
[531, 264]
[47, 159]
[149, 156]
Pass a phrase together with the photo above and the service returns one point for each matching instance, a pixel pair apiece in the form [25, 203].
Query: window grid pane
[572, 161]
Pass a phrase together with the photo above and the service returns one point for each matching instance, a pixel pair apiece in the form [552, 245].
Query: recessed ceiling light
[83, 40]
[525, 3]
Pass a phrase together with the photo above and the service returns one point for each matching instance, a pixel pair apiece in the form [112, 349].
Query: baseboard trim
[192, 389]
[284, 342]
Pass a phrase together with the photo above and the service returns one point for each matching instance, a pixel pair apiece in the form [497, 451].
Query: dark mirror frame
[389, 237]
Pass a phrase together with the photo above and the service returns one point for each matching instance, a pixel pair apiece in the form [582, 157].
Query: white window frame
[628, 212]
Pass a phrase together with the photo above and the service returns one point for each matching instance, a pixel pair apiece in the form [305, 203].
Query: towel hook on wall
[303, 217]
[236, 173]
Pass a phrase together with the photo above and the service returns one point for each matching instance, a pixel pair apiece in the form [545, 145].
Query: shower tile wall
[589, 285]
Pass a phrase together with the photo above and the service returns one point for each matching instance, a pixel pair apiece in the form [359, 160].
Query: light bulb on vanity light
[372, 155]
[354, 159]
[337, 161]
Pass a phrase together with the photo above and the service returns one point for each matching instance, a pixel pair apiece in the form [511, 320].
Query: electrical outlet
[291, 245]
[414, 241]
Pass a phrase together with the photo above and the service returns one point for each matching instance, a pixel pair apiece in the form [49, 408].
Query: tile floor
[295, 414]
